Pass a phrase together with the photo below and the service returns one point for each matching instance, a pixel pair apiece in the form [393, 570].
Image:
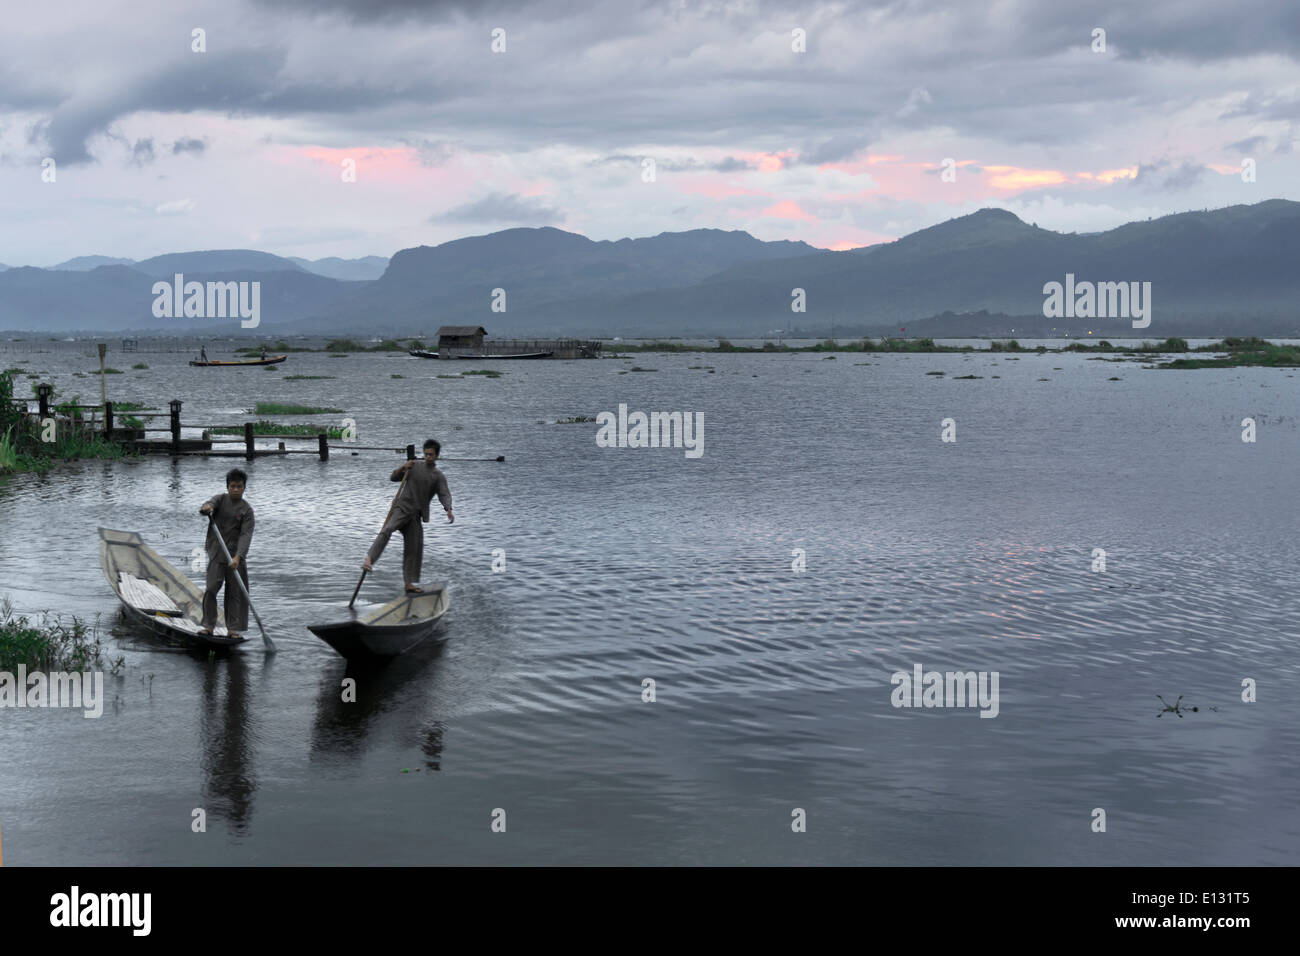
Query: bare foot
[205, 631]
[414, 589]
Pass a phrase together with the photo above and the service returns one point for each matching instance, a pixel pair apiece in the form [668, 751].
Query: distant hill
[86, 263]
[348, 270]
[216, 260]
[1227, 271]
[121, 298]
[570, 274]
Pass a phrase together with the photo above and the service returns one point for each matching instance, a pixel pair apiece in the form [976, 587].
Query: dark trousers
[412, 544]
[220, 573]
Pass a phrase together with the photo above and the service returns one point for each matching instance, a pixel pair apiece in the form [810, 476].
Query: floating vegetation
[456, 377]
[108, 371]
[576, 420]
[1243, 352]
[140, 365]
[306, 378]
[264, 427]
[275, 408]
[1114, 378]
[395, 375]
[487, 372]
[959, 377]
[638, 368]
[934, 373]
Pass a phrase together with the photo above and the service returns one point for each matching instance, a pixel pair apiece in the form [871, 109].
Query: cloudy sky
[249, 143]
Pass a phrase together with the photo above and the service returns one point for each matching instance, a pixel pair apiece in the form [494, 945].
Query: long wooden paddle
[270, 647]
[364, 572]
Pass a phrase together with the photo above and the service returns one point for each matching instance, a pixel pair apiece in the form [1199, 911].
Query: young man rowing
[423, 481]
[232, 518]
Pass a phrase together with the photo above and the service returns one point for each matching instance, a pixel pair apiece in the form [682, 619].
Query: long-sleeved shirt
[234, 520]
[422, 483]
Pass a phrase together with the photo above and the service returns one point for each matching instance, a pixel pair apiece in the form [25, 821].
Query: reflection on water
[772, 684]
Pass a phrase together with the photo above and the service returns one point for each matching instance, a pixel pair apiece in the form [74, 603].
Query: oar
[270, 648]
[364, 572]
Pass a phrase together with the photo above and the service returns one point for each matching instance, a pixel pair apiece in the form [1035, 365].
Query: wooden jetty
[137, 439]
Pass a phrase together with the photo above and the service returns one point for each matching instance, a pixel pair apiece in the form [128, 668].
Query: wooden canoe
[269, 360]
[155, 593]
[422, 353]
[388, 630]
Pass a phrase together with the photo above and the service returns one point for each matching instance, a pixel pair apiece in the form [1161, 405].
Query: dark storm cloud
[142, 152]
[188, 144]
[502, 207]
[730, 164]
[835, 149]
[426, 10]
[1166, 176]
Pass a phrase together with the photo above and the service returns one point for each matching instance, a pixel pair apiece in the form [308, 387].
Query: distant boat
[269, 360]
[422, 353]
[519, 355]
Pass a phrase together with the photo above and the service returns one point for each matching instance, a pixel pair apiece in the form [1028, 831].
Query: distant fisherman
[232, 518]
[411, 507]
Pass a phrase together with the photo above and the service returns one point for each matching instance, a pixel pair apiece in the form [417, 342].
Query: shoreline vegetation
[50, 644]
[22, 448]
[1240, 351]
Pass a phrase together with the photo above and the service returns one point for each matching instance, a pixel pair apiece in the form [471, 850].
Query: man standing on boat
[421, 481]
[232, 518]
[203, 353]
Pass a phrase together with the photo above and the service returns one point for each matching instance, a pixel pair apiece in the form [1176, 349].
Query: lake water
[773, 686]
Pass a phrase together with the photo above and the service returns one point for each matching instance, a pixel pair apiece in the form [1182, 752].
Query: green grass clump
[1265, 355]
[395, 375]
[456, 377]
[638, 368]
[264, 427]
[305, 378]
[276, 408]
[959, 377]
[108, 371]
[140, 365]
[51, 644]
[489, 372]
[576, 420]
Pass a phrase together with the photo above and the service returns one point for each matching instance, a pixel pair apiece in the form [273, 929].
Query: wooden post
[103, 393]
[108, 418]
[176, 425]
[43, 399]
[248, 440]
[410, 452]
[324, 446]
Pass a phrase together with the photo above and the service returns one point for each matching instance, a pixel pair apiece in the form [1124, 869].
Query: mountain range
[1214, 272]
